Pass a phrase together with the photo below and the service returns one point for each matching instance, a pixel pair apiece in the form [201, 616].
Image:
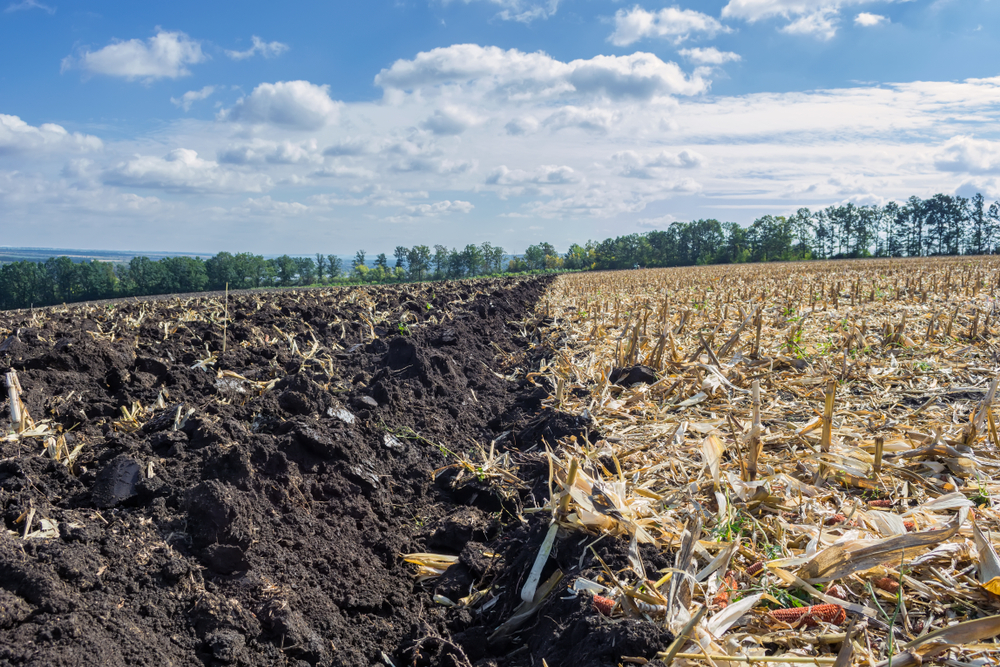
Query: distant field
[78, 255]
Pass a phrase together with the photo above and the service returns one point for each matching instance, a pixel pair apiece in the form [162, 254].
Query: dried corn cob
[887, 584]
[728, 586]
[603, 604]
[810, 616]
[756, 568]
[885, 502]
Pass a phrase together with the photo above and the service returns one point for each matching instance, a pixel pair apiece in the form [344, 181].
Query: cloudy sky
[305, 126]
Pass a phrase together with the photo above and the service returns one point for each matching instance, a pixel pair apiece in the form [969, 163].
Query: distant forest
[940, 225]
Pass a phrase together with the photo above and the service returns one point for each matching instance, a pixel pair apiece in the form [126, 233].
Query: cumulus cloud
[671, 23]
[181, 170]
[28, 4]
[450, 121]
[262, 151]
[192, 96]
[438, 208]
[522, 125]
[350, 146]
[546, 174]
[265, 206]
[710, 56]
[341, 171]
[821, 24]
[635, 165]
[525, 77]
[661, 222]
[165, 55]
[524, 11]
[433, 165]
[297, 105]
[266, 49]
[17, 136]
[592, 120]
[807, 17]
[967, 154]
[867, 20]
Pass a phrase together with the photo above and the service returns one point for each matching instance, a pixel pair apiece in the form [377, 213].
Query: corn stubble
[816, 446]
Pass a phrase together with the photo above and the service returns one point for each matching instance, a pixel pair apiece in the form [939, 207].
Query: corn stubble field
[753, 464]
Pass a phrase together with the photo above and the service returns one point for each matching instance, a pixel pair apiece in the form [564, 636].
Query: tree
[223, 270]
[306, 269]
[400, 254]
[440, 260]
[381, 261]
[334, 266]
[251, 270]
[359, 259]
[472, 260]
[419, 259]
[320, 266]
[287, 269]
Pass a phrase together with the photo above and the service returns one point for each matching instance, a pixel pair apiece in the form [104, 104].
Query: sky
[333, 126]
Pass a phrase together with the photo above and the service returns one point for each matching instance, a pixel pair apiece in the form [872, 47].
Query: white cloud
[265, 206]
[525, 77]
[266, 49]
[450, 121]
[181, 170]
[867, 20]
[192, 96]
[439, 208]
[635, 165]
[297, 105]
[546, 174]
[432, 165]
[988, 187]
[341, 171]
[524, 11]
[710, 56]
[263, 151]
[165, 55]
[29, 4]
[16, 136]
[661, 222]
[672, 23]
[821, 23]
[969, 155]
[350, 146]
[807, 17]
[522, 125]
[591, 120]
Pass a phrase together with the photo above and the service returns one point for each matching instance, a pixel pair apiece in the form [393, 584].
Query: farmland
[784, 463]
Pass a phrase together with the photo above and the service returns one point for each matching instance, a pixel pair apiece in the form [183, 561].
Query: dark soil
[267, 527]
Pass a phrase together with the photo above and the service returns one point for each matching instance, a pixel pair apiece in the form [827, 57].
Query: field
[748, 464]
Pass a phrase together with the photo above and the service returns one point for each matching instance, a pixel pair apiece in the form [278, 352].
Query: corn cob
[810, 616]
[756, 568]
[729, 585]
[603, 605]
[887, 584]
[886, 502]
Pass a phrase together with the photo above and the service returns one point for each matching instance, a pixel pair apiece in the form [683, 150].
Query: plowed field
[235, 481]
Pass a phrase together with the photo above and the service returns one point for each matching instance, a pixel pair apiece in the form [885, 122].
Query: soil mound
[250, 506]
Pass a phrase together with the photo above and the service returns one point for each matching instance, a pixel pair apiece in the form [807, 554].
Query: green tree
[334, 266]
[305, 267]
[419, 259]
[320, 266]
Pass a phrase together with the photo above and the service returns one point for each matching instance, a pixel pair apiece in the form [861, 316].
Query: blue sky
[330, 126]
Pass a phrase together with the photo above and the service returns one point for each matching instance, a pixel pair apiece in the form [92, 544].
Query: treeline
[940, 225]
[59, 280]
